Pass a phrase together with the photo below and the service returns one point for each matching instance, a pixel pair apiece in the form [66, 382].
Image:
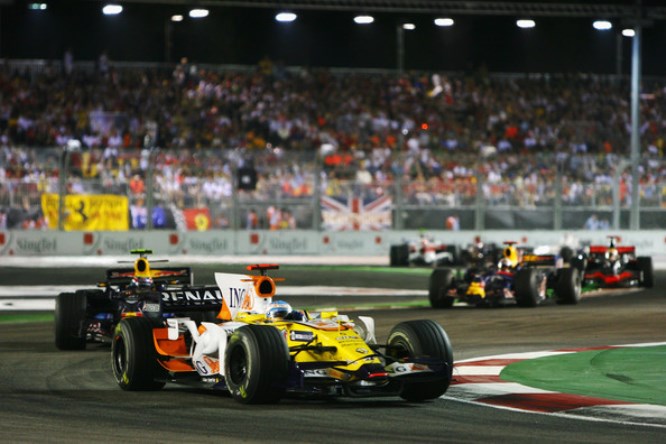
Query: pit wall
[296, 242]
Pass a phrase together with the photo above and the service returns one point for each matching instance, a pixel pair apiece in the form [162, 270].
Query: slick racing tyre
[133, 356]
[421, 339]
[568, 287]
[256, 364]
[527, 287]
[440, 282]
[399, 255]
[647, 271]
[70, 313]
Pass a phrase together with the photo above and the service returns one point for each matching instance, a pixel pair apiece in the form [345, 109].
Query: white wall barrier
[297, 242]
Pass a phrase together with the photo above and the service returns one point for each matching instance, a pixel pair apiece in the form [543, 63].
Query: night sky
[322, 39]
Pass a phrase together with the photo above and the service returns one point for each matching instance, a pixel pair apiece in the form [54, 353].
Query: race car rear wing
[165, 275]
[191, 299]
[539, 260]
[601, 249]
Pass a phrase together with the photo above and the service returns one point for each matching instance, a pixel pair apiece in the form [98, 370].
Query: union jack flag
[356, 215]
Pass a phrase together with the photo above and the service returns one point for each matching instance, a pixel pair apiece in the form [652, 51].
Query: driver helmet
[278, 310]
[141, 282]
[612, 254]
[504, 264]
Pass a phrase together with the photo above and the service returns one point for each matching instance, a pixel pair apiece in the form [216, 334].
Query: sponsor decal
[37, 246]
[345, 338]
[192, 296]
[208, 246]
[302, 336]
[236, 297]
[151, 308]
[348, 245]
[122, 246]
[361, 350]
[317, 373]
[293, 245]
[399, 368]
[202, 368]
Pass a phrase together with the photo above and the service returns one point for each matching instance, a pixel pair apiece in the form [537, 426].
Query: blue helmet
[142, 282]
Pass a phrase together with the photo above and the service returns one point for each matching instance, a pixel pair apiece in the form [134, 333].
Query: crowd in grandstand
[522, 138]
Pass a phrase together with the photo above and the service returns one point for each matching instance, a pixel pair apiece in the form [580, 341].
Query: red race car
[615, 266]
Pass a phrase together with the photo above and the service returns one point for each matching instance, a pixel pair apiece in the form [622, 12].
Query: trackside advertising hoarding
[292, 242]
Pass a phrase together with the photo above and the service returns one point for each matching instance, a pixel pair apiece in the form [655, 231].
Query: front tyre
[647, 271]
[133, 356]
[70, 313]
[256, 364]
[422, 339]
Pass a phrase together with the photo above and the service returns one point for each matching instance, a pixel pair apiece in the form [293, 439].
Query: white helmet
[504, 264]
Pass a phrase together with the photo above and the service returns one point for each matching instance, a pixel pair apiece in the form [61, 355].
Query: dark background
[242, 36]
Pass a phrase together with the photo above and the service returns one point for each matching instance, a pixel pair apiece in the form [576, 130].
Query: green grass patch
[633, 374]
[6, 318]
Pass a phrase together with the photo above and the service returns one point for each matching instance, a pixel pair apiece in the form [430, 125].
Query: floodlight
[409, 26]
[112, 9]
[285, 17]
[364, 19]
[198, 13]
[444, 21]
[525, 23]
[602, 25]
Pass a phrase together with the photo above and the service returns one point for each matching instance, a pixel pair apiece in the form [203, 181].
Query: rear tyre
[399, 255]
[422, 339]
[568, 287]
[647, 271]
[256, 364]
[133, 356]
[70, 313]
[440, 282]
[527, 287]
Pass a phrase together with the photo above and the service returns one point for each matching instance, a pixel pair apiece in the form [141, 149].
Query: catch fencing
[274, 189]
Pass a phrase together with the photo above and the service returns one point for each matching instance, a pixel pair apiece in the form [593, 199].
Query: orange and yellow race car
[260, 349]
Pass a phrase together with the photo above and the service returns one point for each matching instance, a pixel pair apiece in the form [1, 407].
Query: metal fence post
[62, 187]
[479, 206]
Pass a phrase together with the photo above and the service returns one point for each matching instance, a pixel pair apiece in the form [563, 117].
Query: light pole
[400, 35]
[634, 218]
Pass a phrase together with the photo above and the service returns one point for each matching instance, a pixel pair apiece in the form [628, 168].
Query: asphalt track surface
[54, 396]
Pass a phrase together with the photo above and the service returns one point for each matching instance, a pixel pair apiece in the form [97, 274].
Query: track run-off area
[592, 372]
